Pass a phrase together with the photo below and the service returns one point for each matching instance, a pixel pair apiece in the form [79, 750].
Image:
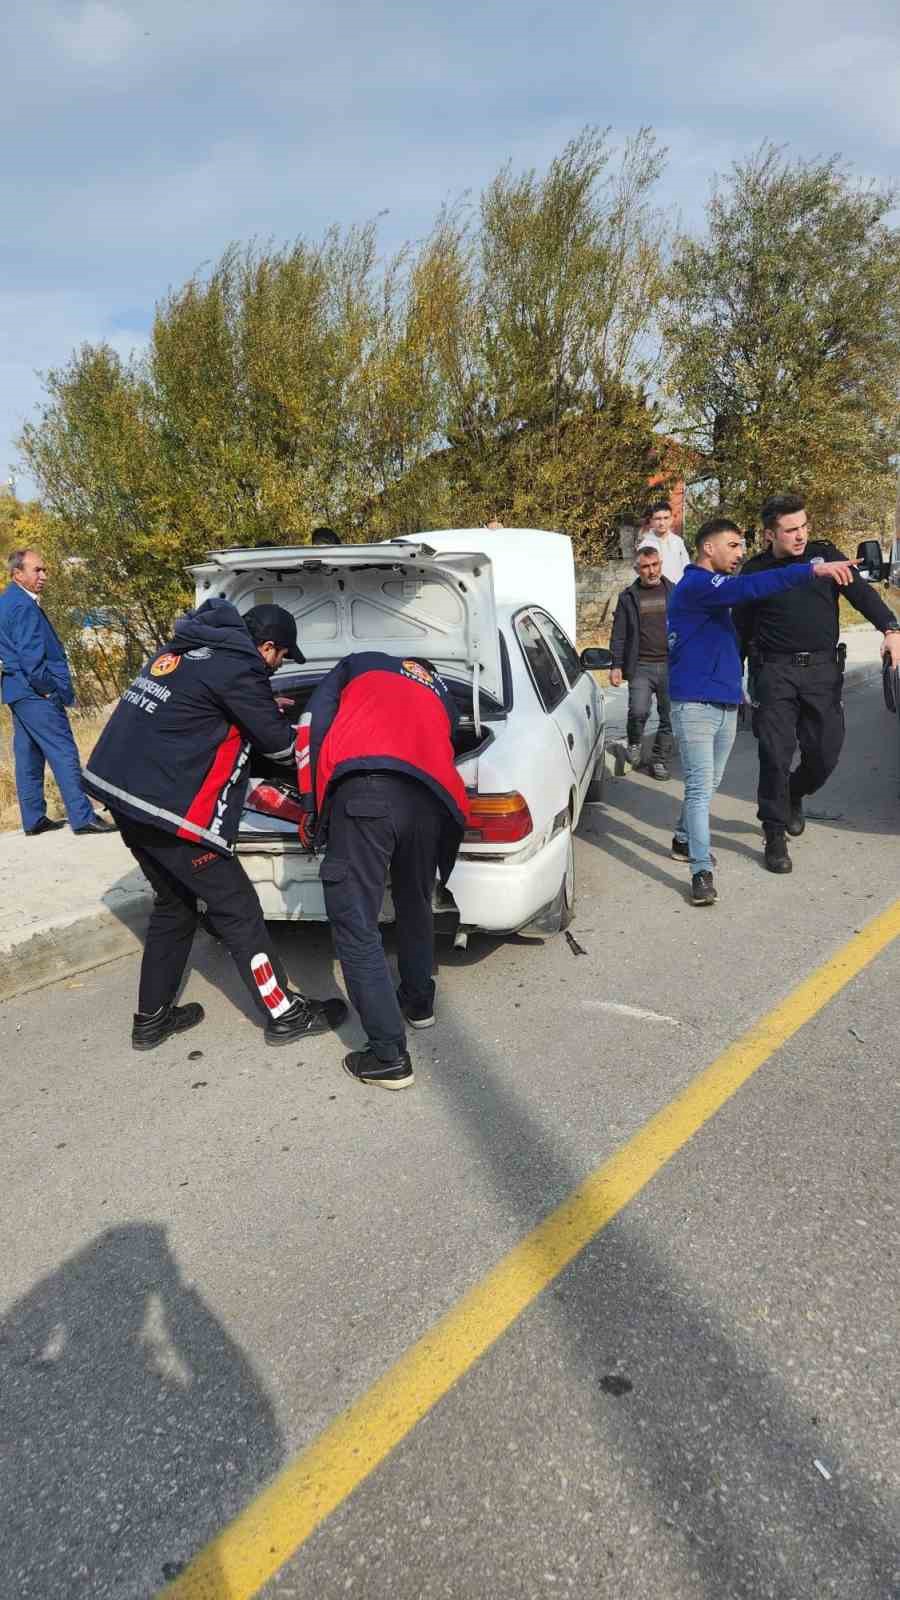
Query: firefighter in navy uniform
[376, 772]
[791, 642]
[172, 765]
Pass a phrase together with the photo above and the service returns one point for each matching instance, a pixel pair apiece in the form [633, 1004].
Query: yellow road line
[236, 1564]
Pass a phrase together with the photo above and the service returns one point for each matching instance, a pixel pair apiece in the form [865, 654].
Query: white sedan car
[494, 610]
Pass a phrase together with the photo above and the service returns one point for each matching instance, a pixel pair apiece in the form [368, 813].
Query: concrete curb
[61, 949]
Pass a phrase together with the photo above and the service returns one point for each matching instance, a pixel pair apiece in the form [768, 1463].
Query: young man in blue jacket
[705, 678]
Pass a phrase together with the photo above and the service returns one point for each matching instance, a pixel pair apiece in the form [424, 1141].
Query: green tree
[481, 370]
[782, 333]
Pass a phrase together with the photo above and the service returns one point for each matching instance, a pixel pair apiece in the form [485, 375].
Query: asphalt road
[202, 1261]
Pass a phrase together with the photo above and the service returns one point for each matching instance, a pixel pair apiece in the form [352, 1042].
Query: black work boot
[366, 1067]
[703, 890]
[797, 821]
[150, 1030]
[777, 858]
[304, 1018]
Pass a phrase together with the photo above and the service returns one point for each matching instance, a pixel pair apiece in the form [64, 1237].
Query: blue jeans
[41, 735]
[705, 735]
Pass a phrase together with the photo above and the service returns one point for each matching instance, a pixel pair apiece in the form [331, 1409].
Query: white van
[495, 611]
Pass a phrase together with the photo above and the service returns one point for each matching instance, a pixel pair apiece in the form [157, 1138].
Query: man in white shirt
[672, 548]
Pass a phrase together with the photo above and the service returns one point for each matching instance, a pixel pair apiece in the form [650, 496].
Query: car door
[577, 713]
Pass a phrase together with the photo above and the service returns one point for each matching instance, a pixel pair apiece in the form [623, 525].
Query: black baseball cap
[277, 624]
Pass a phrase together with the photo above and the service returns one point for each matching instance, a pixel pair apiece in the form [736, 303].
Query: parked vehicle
[494, 610]
[878, 570]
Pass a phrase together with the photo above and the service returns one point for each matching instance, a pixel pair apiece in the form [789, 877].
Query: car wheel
[567, 888]
[890, 679]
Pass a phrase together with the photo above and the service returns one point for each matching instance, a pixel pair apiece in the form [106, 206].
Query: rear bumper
[495, 896]
[502, 896]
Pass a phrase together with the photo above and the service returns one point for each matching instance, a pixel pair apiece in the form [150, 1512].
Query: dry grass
[86, 730]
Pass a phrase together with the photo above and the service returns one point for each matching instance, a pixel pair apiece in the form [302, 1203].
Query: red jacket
[380, 713]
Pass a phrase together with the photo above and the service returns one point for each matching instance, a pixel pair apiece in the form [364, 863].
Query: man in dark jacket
[172, 764]
[791, 640]
[641, 657]
[376, 769]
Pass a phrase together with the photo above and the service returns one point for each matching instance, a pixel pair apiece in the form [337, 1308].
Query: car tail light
[498, 819]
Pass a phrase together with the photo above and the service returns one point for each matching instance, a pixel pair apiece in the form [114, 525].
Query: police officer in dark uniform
[376, 772]
[791, 642]
[172, 765]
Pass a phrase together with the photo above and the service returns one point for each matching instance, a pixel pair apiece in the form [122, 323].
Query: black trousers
[648, 679]
[182, 873]
[796, 705]
[383, 827]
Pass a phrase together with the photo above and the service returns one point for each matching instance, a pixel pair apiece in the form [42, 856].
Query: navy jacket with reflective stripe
[175, 752]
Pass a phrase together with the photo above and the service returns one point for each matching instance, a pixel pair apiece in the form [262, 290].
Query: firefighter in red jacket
[376, 772]
[172, 764]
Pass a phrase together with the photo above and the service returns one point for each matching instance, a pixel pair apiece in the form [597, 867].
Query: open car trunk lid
[402, 598]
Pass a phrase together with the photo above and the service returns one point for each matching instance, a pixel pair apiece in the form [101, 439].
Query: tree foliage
[494, 367]
[782, 339]
[98, 655]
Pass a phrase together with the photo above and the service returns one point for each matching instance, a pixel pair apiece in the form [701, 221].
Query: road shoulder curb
[62, 949]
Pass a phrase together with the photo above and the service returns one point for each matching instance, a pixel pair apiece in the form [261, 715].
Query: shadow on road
[132, 1426]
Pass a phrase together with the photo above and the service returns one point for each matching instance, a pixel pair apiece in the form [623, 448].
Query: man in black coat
[172, 764]
[791, 642]
[641, 658]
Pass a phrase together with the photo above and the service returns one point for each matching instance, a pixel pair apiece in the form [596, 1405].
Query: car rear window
[545, 673]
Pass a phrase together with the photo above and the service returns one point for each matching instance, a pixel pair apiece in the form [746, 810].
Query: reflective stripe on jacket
[176, 750]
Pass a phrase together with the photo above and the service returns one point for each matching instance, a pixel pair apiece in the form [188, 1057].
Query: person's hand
[615, 677]
[284, 702]
[842, 572]
[306, 829]
[891, 648]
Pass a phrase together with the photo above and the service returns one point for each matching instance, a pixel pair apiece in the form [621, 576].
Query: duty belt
[801, 658]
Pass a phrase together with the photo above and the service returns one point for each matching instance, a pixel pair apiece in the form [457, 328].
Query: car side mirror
[868, 553]
[596, 659]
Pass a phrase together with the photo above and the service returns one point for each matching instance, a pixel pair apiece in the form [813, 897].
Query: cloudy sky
[141, 138]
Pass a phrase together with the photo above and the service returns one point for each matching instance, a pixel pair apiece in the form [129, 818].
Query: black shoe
[659, 770]
[634, 754]
[420, 1015]
[797, 821]
[44, 826]
[681, 851]
[703, 890]
[776, 857]
[365, 1067]
[97, 826]
[149, 1031]
[305, 1018]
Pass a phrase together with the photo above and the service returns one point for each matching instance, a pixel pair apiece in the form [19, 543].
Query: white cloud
[148, 134]
[98, 36]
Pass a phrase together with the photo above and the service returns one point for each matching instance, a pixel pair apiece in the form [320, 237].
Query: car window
[566, 653]
[548, 680]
